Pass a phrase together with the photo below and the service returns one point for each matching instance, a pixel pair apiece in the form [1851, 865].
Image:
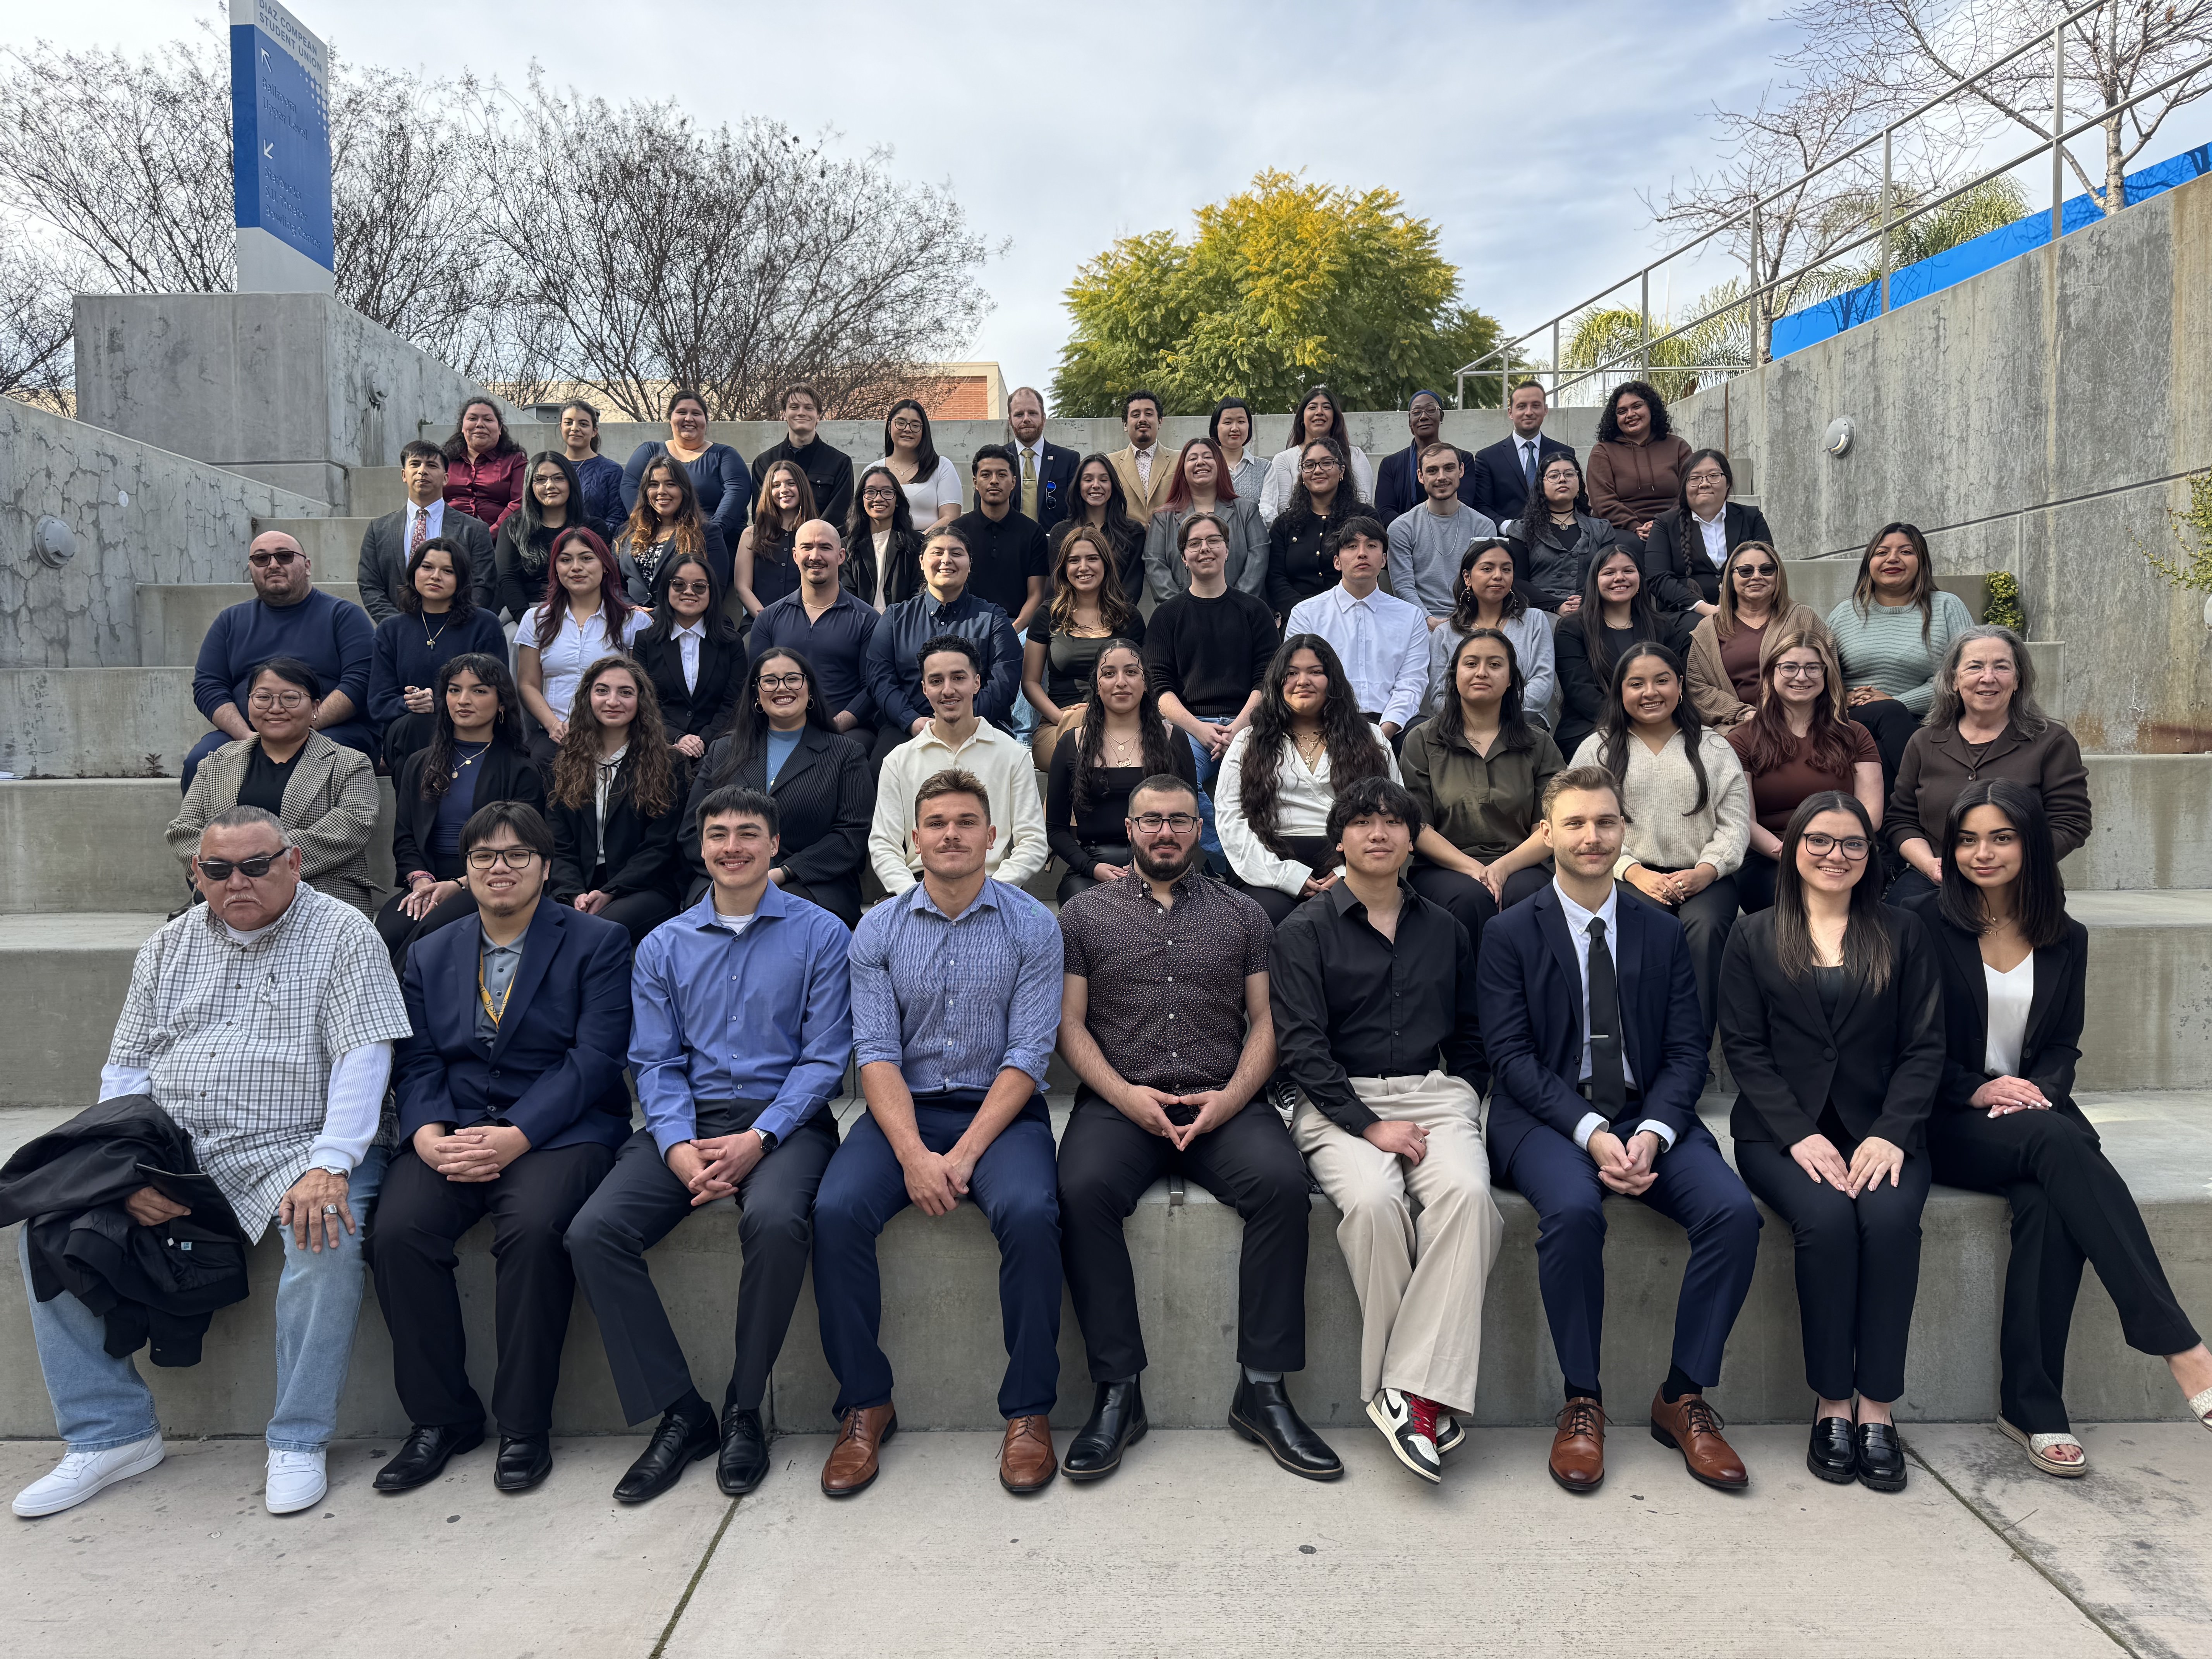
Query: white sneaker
[79, 1475]
[1411, 1432]
[296, 1481]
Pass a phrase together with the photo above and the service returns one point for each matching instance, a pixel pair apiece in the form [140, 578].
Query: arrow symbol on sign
[268, 150]
[265, 57]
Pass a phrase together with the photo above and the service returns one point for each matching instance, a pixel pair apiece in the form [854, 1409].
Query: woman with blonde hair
[1728, 649]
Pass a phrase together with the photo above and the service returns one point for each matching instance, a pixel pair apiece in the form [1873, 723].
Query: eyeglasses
[277, 700]
[1152, 823]
[1801, 671]
[254, 868]
[1853, 848]
[515, 858]
[877, 493]
[1319, 464]
[262, 561]
[1704, 476]
[690, 590]
[783, 682]
[1755, 571]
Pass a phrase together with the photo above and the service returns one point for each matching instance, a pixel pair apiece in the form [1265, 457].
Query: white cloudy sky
[1528, 133]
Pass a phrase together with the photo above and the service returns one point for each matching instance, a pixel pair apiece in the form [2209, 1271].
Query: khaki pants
[1419, 1278]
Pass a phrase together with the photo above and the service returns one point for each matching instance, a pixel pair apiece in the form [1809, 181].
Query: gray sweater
[1424, 554]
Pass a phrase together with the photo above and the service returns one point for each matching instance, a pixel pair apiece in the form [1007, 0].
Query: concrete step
[941, 1320]
[333, 546]
[2151, 828]
[97, 722]
[373, 491]
[174, 618]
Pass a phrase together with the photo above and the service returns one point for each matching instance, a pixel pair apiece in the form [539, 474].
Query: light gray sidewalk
[1198, 1546]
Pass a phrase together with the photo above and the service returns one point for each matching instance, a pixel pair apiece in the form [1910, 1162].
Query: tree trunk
[2115, 177]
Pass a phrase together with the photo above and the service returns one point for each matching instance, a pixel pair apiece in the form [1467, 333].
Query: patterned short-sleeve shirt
[238, 1040]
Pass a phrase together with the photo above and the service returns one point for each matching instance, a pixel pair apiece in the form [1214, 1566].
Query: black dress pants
[641, 1202]
[1316, 853]
[399, 930]
[1468, 900]
[419, 1217]
[2069, 1204]
[1891, 724]
[1858, 1265]
[1106, 1162]
[1707, 919]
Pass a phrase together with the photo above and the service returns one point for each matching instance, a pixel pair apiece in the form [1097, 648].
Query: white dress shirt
[688, 640]
[1578, 921]
[1715, 530]
[434, 516]
[1383, 643]
[573, 649]
[1304, 796]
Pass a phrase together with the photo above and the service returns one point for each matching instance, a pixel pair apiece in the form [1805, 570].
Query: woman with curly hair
[1121, 741]
[1281, 774]
[667, 521]
[1636, 466]
[615, 801]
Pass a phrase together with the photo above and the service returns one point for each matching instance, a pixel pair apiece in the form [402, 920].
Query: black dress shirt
[828, 472]
[1350, 1003]
[1004, 554]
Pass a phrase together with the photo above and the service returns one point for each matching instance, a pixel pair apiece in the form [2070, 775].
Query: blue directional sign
[281, 148]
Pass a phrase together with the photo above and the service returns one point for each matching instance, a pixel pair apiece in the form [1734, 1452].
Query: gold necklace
[1311, 749]
[431, 639]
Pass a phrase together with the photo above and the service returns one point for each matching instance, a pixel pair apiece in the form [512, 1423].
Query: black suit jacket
[504, 773]
[554, 1068]
[1678, 579]
[1531, 985]
[1500, 489]
[2052, 1046]
[1879, 1064]
[1398, 485]
[824, 803]
[703, 711]
[639, 854]
[381, 570]
[1056, 469]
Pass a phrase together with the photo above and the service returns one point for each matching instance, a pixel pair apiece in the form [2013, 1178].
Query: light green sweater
[1884, 649]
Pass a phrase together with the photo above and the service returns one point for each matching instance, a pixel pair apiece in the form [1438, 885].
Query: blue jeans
[101, 1402]
[1209, 773]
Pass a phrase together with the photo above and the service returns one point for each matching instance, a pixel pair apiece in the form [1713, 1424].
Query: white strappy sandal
[2039, 1449]
[2200, 1407]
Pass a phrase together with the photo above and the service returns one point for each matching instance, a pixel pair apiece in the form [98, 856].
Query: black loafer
[679, 1440]
[1118, 1422]
[422, 1458]
[525, 1460]
[1881, 1457]
[1831, 1455]
[1263, 1414]
[742, 1464]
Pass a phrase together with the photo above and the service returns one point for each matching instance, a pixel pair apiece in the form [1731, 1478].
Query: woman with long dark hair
[1090, 608]
[931, 483]
[1281, 774]
[1557, 536]
[525, 544]
[882, 549]
[765, 568]
[1478, 767]
[1616, 612]
[1100, 501]
[1636, 466]
[1320, 416]
[1689, 807]
[1728, 649]
[781, 742]
[721, 484]
[1687, 553]
[692, 652]
[667, 521]
[583, 617]
[600, 477]
[475, 756]
[1202, 484]
[1121, 741]
[1299, 564]
[1489, 597]
[2015, 968]
[1796, 746]
[1832, 1017]
[438, 620]
[1230, 427]
[483, 465]
[614, 801]
[1892, 633]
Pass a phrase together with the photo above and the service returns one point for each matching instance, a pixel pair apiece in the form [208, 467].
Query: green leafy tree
[1281, 286]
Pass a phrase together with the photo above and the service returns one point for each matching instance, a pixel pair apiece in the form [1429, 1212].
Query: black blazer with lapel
[1056, 469]
[554, 1069]
[639, 854]
[1879, 1065]
[1398, 484]
[824, 804]
[1679, 579]
[2052, 1046]
[1500, 491]
[382, 567]
[1532, 1020]
[700, 712]
[504, 773]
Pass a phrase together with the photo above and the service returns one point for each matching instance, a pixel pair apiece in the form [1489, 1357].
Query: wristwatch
[769, 1142]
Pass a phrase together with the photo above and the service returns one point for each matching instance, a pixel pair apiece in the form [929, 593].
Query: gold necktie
[1029, 481]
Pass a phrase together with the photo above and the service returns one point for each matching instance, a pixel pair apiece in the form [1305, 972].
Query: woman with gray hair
[1983, 722]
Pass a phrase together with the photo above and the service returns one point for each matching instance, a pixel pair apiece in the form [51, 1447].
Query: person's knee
[1278, 1192]
[1574, 1214]
[1732, 1221]
[594, 1236]
[777, 1219]
[1027, 1217]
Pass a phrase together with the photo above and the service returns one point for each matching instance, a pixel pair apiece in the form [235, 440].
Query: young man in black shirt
[1373, 991]
[828, 468]
[1007, 551]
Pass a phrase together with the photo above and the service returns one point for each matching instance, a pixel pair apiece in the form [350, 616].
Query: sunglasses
[254, 868]
[690, 590]
[262, 561]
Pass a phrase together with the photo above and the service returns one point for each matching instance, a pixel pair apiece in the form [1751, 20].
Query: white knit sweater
[1663, 832]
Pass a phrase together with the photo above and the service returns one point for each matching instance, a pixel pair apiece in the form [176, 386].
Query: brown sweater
[1632, 483]
[1712, 689]
[1939, 763]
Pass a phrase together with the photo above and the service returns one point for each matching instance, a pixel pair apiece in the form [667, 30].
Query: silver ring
[330, 1209]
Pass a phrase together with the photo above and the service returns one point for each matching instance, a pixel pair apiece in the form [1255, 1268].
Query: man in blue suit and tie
[1503, 474]
[1598, 1056]
[512, 1102]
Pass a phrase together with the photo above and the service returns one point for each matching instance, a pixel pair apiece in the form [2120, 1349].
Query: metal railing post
[1643, 326]
[1755, 299]
[1884, 219]
[1555, 360]
[2057, 130]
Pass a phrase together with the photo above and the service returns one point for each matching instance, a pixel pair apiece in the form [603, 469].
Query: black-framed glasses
[1755, 569]
[1152, 823]
[1853, 848]
[1319, 464]
[254, 868]
[783, 682]
[1801, 671]
[515, 858]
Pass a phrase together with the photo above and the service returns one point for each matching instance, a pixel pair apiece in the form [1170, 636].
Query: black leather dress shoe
[1831, 1455]
[1263, 1414]
[1118, 1422]
[422, 1456]
[743, 1462]
[1881, 1457]
[524, 1460]
[679, 1440]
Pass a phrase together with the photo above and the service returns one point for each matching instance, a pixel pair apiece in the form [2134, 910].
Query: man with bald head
[287, 616]
[825, 621]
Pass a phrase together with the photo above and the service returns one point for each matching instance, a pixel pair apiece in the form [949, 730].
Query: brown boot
[1694, 1428]
[1027, 1462]
[1578, 1449]
[861, 1437]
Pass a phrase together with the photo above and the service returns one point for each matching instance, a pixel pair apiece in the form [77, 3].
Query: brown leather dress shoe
[861, 1437]
[1578, 1449]
[1694, 1428]
[1027, 1462]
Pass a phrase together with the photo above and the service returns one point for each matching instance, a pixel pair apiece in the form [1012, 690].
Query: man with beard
[1164, 1016]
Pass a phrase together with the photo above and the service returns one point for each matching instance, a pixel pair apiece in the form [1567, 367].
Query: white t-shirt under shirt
[2010, 995]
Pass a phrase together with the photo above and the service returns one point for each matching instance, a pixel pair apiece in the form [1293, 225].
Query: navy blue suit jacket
[1500, 490]
[1056, 470]
[1531, 989]
[555, 1070]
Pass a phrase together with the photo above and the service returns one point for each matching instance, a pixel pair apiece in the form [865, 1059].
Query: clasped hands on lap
[1671, 887]
[1628, 1167]
[1875, 1159]
[477, 1153]
[1150, 1110]
[715, 1166]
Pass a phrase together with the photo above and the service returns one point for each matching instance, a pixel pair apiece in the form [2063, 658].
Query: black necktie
[1608, 1085]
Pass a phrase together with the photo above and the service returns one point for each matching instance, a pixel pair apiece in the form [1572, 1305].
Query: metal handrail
[1502, 355]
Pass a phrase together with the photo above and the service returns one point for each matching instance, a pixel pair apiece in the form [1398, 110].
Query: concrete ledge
[1824, 584]
[941, 1324]
[333, 546]
[2152, 826]
[97, 722]
[172, 619]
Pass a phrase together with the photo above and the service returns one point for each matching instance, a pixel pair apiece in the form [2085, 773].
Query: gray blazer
[330, 812]
[383, 569]
[1247, 567]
